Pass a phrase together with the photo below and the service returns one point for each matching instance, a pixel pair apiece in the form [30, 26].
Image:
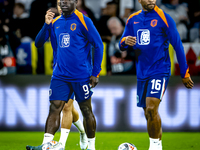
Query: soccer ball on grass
[127, 146]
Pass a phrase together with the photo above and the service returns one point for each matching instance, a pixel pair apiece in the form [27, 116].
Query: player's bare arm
[188, 82]
[49, 16]
[130, 40]
[94, 81]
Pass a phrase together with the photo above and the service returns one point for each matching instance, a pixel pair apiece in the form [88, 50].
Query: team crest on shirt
[64, 40]
[73, 26]
[154, 22]
[143, 36]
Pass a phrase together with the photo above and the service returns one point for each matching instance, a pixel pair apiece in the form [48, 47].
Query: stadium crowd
[21, 20]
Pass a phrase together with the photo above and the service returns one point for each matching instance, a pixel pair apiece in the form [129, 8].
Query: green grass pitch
[104, 140]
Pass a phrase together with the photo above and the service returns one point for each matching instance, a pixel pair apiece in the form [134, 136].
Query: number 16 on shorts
[157, 86]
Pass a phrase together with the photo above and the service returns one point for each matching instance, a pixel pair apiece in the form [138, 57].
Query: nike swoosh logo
[153, 92]
[136, 22]
[57, 27]
[87, 96]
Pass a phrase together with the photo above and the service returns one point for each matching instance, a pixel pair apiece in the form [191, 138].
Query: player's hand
[49, 16]
[130, 40]
[188, 82]
[94, 81]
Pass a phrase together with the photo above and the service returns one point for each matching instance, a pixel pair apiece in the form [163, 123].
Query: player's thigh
[68, 106]
[86, 107]
[75, 114]
[82, 91]
[152, 103]
[60, 90]
[56, 106]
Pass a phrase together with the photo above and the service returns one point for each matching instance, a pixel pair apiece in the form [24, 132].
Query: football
[127, 146]
[52, 145]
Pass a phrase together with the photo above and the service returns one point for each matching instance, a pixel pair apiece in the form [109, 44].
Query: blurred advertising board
[24, 104]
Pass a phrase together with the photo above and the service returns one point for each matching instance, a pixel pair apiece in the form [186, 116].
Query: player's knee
[56, 107]
[67, 108]
[86, 111]
[150, 112]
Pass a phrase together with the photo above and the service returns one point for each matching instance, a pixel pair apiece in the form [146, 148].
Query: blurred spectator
[19, 11]
[126, 7]
[26, 3]
[95, 6]
[179, 13]
[21, 33]
[37, 13]
[11, 38]
[194, 14]
[197, 39]
[85, 10]
[103, 3]
[8, 43]
[109, 11]
[118, 62]
[6, 12]
[21, 22]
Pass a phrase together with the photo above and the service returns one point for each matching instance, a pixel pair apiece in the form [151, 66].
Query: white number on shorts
[156, 84]
[85, 89]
